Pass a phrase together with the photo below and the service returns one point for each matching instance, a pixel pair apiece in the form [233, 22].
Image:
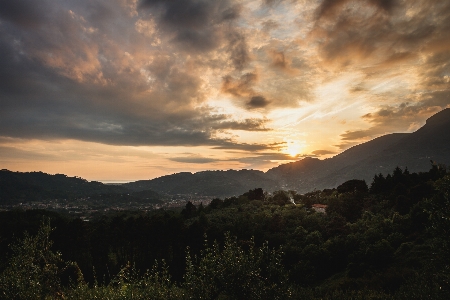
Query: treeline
[388, 240]
[18, 187]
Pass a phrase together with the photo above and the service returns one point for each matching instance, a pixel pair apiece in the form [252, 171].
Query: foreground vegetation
[386, 241]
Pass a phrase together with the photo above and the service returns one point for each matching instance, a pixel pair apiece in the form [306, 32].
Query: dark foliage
[389, 241]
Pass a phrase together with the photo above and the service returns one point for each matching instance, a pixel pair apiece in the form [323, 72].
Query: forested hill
[209, 183]
[16, 187]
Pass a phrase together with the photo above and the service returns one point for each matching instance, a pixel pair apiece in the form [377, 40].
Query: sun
[294, 148]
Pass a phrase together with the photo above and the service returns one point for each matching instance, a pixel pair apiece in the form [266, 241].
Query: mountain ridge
[413, 150]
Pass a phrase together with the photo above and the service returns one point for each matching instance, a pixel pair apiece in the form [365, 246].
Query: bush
[34, 271]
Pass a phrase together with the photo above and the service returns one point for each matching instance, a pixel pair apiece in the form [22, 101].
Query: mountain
[310, 170]
[381, 155]
[207, 183]
[16, 187]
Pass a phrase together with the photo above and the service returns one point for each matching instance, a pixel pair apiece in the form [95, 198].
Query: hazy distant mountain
[381, 155]
[208, 183]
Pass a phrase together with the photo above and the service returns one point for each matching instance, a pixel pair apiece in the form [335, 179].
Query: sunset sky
[128, 89]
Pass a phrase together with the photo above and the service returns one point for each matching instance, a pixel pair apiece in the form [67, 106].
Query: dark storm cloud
[181, 14]
[25, 13]
[257, 102]
[231, 13]
[198, 40]
[238, 49]
[195, 24]
[242, 89]
[69, 79]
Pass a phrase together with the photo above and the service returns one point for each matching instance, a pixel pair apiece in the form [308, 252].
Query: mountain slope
[309, 172]
[33, 186]
[381, 155]
[208, 183]
[17, 187]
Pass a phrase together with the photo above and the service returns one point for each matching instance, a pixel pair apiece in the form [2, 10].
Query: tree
[34, 271]
[353, 186]
[189, 211]
[233, 273]
[255, 194]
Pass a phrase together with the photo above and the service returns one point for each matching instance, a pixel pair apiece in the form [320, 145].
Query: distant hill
[207, 183]
[16, 187]
[381, 155]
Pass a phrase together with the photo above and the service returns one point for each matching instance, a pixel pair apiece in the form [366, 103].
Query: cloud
[270, 25]
[238, 49]
[345, 146]
[242, 87]
[402, 118]
[257, 102]
[323, 152]
[278, 59]
[358, 134]
[13, 153]
[197, 25]
[265, 157]
[388, 38]
[247, 124]
[229, 144]
[329, 8]
[193, 159]
[72, 77]
[24, 13]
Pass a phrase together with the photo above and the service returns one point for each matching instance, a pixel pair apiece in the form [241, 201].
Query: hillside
[389, 241]
[16, 187]
[208, 183]
[412, 150]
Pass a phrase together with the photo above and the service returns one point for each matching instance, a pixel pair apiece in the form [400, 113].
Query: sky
[122, 90]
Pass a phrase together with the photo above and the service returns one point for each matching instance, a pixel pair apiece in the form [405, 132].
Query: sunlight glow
[294, 148]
